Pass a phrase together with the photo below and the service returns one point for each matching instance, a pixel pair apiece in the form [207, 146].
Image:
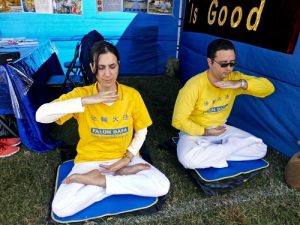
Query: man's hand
[215, 131]
[226, 84]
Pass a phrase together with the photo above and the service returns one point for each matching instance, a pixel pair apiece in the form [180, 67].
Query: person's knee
[187, 162]
[165, 186]
[161, 185]
[59, 209]
[183, 162]
[65, 206]
[259, 150]
[262, 151]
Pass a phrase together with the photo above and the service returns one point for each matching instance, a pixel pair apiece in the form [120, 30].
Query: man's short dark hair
[217, 45]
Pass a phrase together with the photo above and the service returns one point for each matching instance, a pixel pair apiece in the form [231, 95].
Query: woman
[112, 123]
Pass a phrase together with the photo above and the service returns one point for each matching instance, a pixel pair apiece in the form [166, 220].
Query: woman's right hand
[121, 163]
[103, 96]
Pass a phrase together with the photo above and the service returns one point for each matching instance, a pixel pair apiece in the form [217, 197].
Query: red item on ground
[6, 151]
[10, 141]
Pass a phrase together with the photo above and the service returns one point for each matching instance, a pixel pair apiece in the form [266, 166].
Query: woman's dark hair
[217, 45]
[102, 47]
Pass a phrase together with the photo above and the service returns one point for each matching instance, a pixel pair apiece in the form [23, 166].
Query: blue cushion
[112, 205]
[219, 180]
[235, 168]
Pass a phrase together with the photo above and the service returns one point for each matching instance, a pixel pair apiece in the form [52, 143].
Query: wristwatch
[243, 83]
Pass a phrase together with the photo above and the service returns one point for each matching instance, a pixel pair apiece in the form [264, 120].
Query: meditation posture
[203, 106]
[112, 124]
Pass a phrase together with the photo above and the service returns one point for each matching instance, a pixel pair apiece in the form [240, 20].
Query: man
[203, 106]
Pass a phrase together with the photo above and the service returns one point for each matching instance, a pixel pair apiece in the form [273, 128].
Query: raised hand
[226, 84]
[103, 96]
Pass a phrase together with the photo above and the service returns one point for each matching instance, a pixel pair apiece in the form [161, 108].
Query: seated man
[203, 106]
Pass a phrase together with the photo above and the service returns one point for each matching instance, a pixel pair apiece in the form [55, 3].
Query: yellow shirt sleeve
[258, 86]
[141, 115]
[184, 106]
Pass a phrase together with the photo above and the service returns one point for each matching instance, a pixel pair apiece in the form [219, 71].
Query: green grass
[27, 179]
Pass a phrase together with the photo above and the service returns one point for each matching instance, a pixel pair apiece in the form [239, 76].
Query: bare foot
[133, 169]
[93, 177]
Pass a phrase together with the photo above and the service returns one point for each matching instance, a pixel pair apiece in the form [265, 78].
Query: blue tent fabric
[136, 51]
[112, 205]
[274, 118]
[120, 28]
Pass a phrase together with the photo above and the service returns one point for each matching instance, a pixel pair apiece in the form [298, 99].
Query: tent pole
[179, 27]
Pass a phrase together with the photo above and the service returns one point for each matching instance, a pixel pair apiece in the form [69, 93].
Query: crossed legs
[86, 184]
[214, 151]
[95, 177]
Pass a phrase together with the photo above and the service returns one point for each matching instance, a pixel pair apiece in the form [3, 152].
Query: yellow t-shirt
[199, 104]
[106, 131]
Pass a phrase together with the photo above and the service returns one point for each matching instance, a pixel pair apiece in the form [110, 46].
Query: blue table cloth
[23, 89]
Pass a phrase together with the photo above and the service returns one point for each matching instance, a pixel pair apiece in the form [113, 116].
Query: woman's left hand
[115, 166]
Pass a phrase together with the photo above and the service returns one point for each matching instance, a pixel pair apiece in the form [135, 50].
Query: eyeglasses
[224, 64]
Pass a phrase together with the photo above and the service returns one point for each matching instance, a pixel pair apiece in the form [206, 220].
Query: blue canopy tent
[146, 42]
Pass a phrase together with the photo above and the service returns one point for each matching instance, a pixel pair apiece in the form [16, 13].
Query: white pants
[214, 151]
[72, 198]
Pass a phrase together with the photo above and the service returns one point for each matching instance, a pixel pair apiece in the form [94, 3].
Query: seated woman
[112, 124]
